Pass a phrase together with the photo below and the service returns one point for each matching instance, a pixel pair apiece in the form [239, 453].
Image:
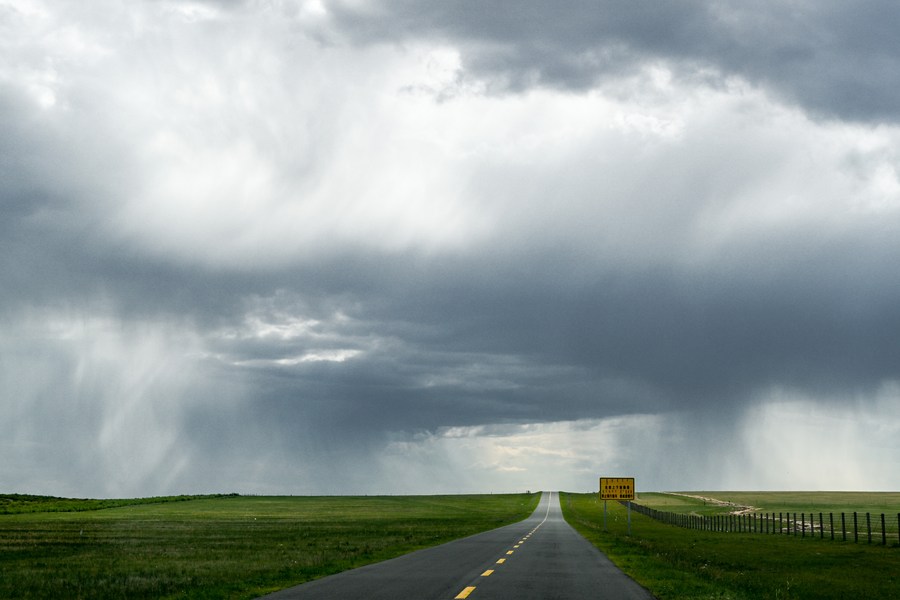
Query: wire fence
[871, 528]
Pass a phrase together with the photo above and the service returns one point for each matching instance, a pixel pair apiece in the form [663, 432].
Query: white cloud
[360, 234]
[256, 155]
[569, 455]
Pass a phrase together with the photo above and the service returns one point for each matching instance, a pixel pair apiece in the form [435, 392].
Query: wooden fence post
[855, 528]
[869, 527]
[821, 527]
[831, 524]
[843, 528]
[803, 524]
[883, 533]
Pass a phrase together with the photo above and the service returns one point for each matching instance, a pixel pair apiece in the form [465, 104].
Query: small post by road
[604, 515]
[629, 517]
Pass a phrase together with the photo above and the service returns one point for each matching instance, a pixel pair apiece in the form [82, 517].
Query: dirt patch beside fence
[737, 509]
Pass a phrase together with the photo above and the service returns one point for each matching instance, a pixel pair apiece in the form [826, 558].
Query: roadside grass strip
[687, 564]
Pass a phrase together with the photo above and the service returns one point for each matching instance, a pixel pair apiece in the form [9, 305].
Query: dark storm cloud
[495, 344]
[234, 253]
[532, 335]
[834, 58]
[460, 340]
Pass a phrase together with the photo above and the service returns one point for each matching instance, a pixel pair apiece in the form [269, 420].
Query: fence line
[785, 523]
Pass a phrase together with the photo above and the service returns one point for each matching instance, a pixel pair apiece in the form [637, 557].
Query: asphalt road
[541, 557]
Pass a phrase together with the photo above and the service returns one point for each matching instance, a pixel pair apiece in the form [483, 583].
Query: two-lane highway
[553, 561]
[541, 557]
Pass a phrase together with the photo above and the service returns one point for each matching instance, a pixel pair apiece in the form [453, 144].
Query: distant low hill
[11, 504]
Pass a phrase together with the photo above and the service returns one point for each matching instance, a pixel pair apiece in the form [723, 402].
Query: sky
[421, 247]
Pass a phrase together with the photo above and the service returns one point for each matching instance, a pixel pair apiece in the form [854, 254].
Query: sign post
[629, 517]
[617, 488]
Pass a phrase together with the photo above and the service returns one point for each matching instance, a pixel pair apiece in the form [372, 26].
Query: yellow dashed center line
[468, 590]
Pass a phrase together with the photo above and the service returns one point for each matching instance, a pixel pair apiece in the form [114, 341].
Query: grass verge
[228, 547]
[676, 563]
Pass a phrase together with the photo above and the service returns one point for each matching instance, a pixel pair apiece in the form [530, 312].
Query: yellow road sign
[617, 488]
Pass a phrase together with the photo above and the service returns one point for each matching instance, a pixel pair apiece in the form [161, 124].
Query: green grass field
[677, 563]
[221, 547]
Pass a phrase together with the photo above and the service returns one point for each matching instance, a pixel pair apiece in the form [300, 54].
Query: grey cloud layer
[837, 60]
[270, 260]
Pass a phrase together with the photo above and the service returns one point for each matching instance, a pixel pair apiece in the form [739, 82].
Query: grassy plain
[225, 547]
[677, 563]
